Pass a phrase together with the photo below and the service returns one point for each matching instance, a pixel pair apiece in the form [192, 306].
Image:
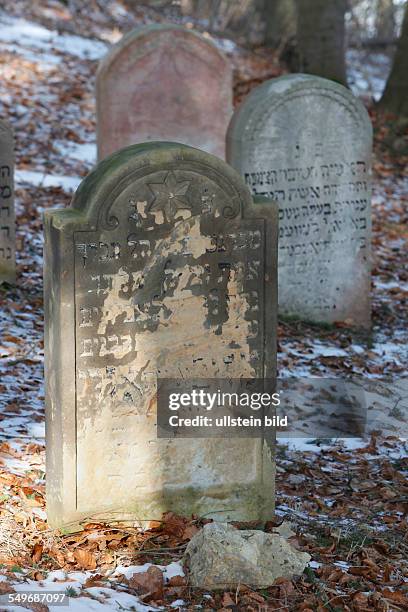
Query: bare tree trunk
[200, 9]
[243, 18]
[321, 38]
[280, 21]
[385, 21]
[395, 96]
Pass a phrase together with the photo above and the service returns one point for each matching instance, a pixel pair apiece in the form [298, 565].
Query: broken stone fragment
[284, 530]
[221, 557]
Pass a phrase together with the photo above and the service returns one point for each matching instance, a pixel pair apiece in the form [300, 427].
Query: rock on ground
[220, 557]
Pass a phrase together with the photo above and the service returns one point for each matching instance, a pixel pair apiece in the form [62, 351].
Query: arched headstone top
[268, 98]
[145, 38]
[163, 82]
[150, 165]
[6, 129]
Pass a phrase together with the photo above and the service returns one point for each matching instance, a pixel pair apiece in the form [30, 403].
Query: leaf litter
[347, 502]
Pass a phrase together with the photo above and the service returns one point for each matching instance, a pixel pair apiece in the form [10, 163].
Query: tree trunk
[321, 38]
[243, 19]
[200, 9]
[280, 22]
[395, 96]
[385, 20]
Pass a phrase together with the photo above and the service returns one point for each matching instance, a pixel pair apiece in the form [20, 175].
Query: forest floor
[347, 500]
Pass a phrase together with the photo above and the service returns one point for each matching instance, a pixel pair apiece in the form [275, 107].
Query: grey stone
[7, 212]
[306, 142]
[220, 557]
[285, 530]
[162, 267]
[163, 82]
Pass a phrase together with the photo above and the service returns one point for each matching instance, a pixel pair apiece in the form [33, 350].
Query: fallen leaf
[177, 581]
[37, 553]
[85, 559]
[227, 600]
[148, 584]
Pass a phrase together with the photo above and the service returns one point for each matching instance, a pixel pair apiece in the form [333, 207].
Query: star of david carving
[170, 196]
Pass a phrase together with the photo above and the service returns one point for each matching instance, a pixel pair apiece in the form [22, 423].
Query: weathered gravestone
[163, 267]
[306, 142]
[7, 214]
[163, 82]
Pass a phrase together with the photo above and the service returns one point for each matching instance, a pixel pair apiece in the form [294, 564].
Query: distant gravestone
[306, 142]
[163, 82]
[7, 214]
[162, 267]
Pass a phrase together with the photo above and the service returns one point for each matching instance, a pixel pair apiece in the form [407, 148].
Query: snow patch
[85, 152]
[39, 179]
[26, 34]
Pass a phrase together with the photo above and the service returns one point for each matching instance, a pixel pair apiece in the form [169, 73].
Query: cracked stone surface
[220, 556]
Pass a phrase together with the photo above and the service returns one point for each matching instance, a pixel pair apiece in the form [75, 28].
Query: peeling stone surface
[221, 557]
[7, 212]
[163, 82]
[160, 268]
[306, 142]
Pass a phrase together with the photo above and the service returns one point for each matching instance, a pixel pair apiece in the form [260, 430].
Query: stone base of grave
[251, 502]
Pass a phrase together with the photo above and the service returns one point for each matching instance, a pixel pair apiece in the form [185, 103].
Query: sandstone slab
[163, 82]
[163, 267]
[306, 142]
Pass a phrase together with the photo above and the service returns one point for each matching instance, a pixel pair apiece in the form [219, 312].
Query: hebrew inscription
[7, 214]
[306, 143]
[170, 281]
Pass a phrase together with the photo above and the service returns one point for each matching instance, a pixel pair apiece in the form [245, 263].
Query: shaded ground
[347, 504]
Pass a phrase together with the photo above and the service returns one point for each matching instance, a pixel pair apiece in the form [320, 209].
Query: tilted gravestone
[161, 267]
[163, 82]
[7, 213]
[306, 142]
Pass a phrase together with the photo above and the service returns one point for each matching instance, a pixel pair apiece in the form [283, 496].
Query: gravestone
[162, 267]
[306, 142]
[7, 213]
[163, 82]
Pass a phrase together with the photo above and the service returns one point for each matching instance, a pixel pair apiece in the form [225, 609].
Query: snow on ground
[82, 597]
[367, 72]
[39, 179]
[86, 152]
[32, 37]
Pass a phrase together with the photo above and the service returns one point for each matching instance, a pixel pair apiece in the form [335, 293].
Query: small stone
[221, 557]
[284, 530]
[295, 479]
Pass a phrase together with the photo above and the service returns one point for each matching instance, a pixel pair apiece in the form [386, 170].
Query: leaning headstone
[161, 268]
[7, 214]
[306, 142]
[163, 82]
